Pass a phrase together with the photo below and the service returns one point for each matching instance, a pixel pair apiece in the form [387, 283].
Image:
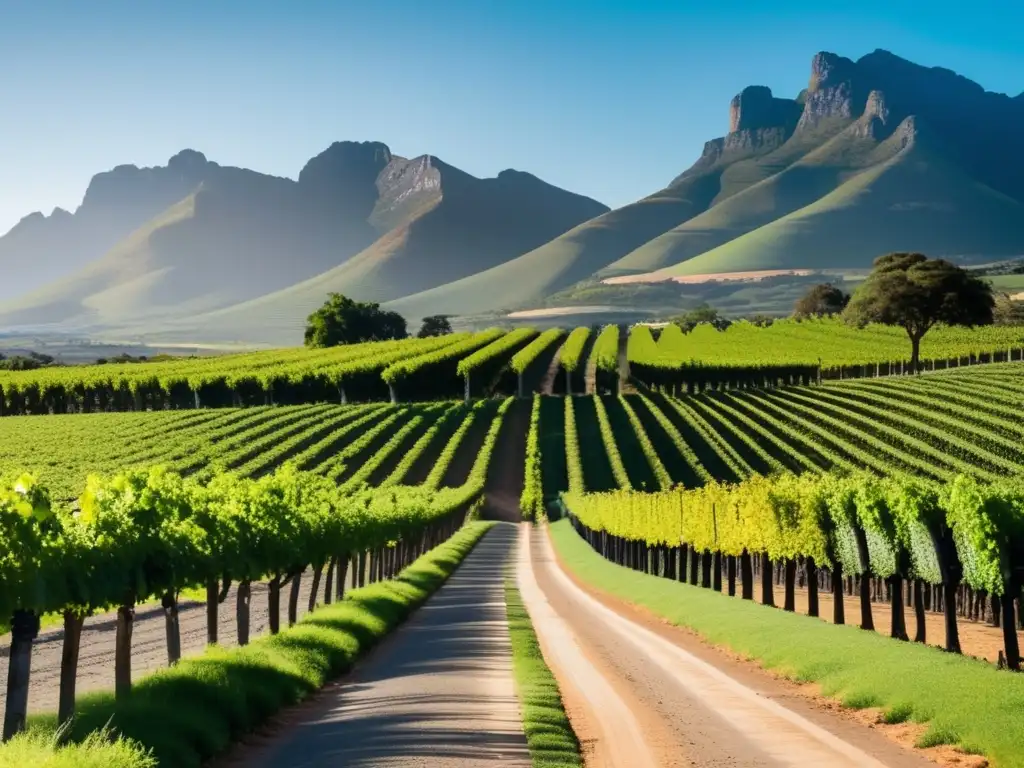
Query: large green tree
[823, 300]
[344, 321]
[915, 292]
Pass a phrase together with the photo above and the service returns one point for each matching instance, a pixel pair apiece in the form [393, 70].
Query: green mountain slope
[917, 200]
[778, 183]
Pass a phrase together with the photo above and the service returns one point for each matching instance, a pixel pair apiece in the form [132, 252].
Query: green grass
[197, 709]
[39, 750]
[549, 734]
[964, 701]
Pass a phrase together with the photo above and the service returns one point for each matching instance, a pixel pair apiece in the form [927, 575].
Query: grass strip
[965, 702]
[194, 711]
[549, 734]
[40, 750]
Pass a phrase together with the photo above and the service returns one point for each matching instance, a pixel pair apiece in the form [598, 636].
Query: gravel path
[694, 705]
[149, 643]
[438, 692]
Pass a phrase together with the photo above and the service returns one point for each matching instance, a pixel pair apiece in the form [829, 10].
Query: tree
[344, 321]
[702, 314]
[915, 292]
[823, 300]
[435, 325]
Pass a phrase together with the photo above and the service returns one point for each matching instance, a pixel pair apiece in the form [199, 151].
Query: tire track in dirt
[698, 706]
[438, 691]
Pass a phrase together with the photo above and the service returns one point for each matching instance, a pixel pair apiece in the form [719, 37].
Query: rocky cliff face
[344, 177]
[834, 91]
[877, 95]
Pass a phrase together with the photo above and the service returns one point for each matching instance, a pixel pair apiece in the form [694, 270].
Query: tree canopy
[344, 321]
[915, 292]
[435, 325]
[823, 300]
[702, 314]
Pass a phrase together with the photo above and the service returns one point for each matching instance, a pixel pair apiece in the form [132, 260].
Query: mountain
[234, 235]
[42, 248]
[875, 155]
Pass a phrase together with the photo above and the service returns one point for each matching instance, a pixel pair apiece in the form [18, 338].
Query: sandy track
[610, 734]
[149, 649]
[437, 692]
[696, 706]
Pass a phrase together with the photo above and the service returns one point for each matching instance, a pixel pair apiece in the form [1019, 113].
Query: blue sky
[609, 99]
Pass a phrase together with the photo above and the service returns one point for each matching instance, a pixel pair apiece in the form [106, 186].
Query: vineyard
[496, 362]
[837, 477]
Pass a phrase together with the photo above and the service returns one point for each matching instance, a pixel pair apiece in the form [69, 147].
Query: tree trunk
[24, 629]
[899, 620]
[705, 570]
[866, 619]
[329, 585]
[123, 651]
[767, 581]
[716, 572]
[171, 628]
[790, 601]
[746, 576]
[73, 623]
[314, 589]
[274, 605]
[212, 602]
[1009, 621]
[730, 574]
[838, 594]
[339, 593]
[293, 600]
[915, 352]
[242, 612]
[949, 609]
[811, 570]
[920, 635]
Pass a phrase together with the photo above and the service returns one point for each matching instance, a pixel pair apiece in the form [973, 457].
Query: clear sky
[609, 99]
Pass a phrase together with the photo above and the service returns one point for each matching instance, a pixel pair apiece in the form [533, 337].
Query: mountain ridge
[236, 235]
[875, 154]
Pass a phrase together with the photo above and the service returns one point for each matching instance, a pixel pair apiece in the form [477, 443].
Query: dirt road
[149, 643]
[437, 692]
[694, 705]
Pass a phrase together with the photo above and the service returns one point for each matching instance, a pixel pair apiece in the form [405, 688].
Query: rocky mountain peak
[353, 160]
[344, 176]
[188, 160]
[833, 90]
[755, 108]
[876, 116]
